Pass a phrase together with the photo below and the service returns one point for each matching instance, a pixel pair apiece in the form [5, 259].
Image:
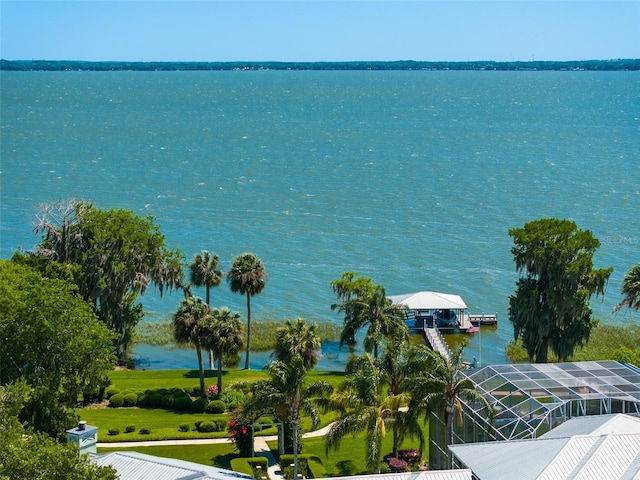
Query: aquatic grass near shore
[263, 336]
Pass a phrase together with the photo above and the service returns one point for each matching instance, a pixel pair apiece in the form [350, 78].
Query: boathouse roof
[429, 301]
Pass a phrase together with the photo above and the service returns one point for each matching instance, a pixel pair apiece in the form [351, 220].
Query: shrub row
[129, 429]
[309, 466]
[176, 398]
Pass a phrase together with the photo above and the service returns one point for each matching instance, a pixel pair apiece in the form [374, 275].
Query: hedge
[246, 465]
[314, 467]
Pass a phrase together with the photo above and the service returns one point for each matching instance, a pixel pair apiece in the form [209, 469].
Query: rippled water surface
[411, 178]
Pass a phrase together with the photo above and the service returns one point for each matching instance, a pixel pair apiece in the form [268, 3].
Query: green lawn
[164, 424]
[217, 455]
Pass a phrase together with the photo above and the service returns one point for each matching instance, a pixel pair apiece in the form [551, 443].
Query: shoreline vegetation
[534, 65]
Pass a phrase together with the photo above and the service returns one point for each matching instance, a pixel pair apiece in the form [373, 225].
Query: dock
[483, 319]
[436, 342]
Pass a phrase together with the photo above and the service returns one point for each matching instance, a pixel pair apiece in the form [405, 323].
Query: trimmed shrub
[130, 429]
[116, 400]
[145, 431]
[184, 427]
[198, 405]
[130, 400]
[215, 406]
[182, 403]
[114, 431]
[206, 427]
[233, 399]
[167, 401]
[144, 400]
[155, 400]
[412, 456]
[110, 392]
[397, 465]
[197, 424]
[221, 425]
[287, 469]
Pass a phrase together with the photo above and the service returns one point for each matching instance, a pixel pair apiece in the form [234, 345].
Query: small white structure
[85, 436]
[432, 309]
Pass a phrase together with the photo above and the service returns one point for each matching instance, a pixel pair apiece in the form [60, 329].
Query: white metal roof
[596, 425]
[611, 456]
[429, 301]
[139, 466]
[463, 474]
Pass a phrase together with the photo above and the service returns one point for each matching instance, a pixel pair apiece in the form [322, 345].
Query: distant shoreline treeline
[73, 65]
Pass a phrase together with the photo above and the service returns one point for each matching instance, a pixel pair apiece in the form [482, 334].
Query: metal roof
[429, 301]
[139, 466]
[463, 474]
[581, 457]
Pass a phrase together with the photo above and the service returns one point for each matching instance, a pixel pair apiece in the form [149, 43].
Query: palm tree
[298, 339]
[372, 307]
[286, 396]
[365, 407]
[190, 328]
[443, 391]
[204, 272]
[631, 290]
[223, 336]
[402, 364]
[247, 277]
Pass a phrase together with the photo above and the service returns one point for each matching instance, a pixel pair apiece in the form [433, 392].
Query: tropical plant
[204, 272]
[286, 395]
[631, 290]
[365, 303]
[191, 326]
[223, 337]
[364, 407]
[247, 277]
[298, 339]
[442, 392]
[550, 308]
[402, 365]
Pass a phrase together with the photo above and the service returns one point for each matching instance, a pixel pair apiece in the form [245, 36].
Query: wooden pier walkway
[436, 342]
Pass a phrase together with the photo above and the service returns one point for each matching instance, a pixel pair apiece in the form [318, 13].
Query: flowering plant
[212, 391]
[240, 433]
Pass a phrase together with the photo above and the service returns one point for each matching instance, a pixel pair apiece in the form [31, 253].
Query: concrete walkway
[260, 447]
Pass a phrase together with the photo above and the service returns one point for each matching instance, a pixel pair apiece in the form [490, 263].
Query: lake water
[410, 178]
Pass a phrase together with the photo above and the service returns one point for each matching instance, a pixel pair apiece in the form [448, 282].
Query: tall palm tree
[364, 407]
[204, 271]
[372, 307]
[247, 277]
[223, 336]
[402, 365]
[287, 396]
[298, 339]
[631, 290]
[190, 323]
[443, 390]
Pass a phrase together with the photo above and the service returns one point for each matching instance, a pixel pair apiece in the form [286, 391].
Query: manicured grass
[163, 424]
[150, 379]
[216, 455]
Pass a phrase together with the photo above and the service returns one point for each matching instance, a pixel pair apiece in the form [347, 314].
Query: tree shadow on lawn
[346, 468]
[223, 461]
[196, 374]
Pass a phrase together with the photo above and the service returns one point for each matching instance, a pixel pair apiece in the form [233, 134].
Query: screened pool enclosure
[531, 399]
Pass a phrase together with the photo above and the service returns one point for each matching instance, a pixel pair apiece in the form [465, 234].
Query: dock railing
[436, 340]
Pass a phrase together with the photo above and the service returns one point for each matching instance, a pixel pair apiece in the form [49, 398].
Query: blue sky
[321, 30]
